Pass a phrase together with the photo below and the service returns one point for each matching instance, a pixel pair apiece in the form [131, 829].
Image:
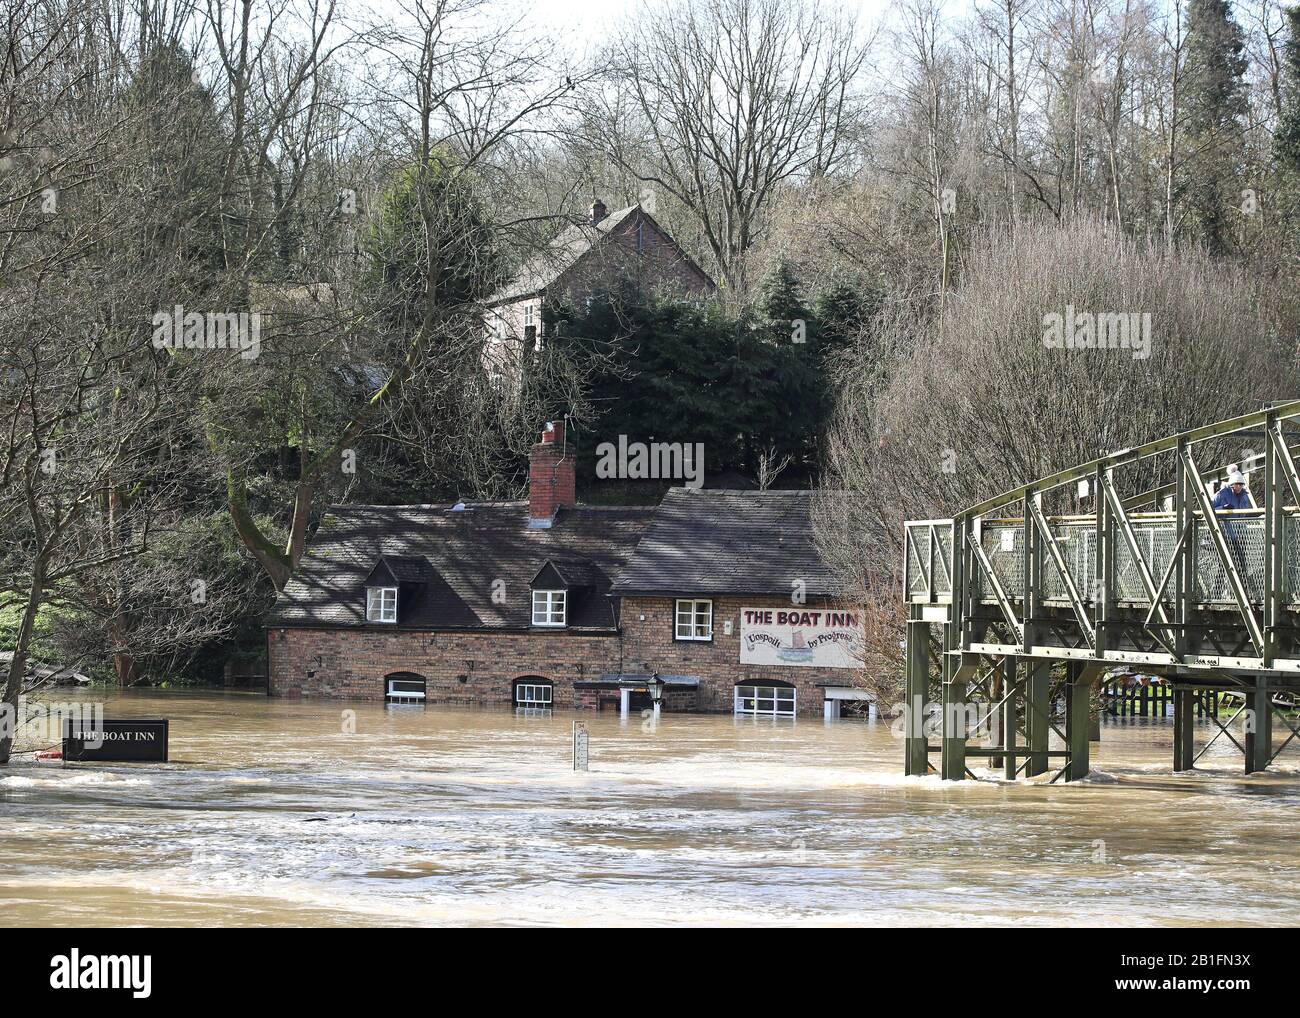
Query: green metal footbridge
[1021, 604]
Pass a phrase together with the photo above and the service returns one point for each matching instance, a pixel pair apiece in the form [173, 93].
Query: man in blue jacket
[1234, 495]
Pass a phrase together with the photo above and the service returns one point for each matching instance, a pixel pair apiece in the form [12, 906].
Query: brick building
[548, 603]
[727, 586]
[584, 258]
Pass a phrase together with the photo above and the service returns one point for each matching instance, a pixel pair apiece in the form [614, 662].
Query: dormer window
[562, 584]
[381, 604]
[548, 607]
[392, 574]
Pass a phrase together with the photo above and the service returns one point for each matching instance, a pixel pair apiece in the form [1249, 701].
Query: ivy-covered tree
[1286, 142]
[432, 248]
[1216, 105]
[329, 375]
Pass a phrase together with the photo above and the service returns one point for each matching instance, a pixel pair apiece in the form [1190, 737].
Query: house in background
[585, 258]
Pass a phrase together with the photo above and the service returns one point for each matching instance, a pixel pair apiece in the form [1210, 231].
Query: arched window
[765, 698]
[404, 687]
[533, 692]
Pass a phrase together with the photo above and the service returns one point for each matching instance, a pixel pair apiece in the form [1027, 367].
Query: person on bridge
[1233, 496]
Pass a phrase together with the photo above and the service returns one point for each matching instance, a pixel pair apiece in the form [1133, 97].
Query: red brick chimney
[552, 479]
[598, 211]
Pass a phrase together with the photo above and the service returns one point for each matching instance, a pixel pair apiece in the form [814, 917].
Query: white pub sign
[811, 637]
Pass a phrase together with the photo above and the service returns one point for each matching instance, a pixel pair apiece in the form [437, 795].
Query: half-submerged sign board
[127, 740]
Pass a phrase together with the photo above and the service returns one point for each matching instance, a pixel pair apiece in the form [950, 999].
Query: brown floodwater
[271, 813]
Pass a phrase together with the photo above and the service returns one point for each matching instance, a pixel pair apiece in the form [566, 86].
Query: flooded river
[273, 814]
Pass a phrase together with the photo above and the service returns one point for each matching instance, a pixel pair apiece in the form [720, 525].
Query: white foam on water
[72, 779]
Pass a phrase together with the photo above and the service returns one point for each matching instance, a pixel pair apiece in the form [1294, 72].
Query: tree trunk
[126, 668]
[18, 666]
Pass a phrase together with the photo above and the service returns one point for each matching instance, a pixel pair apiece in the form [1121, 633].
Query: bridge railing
[929, 566]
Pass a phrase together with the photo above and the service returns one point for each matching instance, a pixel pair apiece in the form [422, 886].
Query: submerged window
[548, 607]
[765, 701]
[694, 620]
[533, 694]
[405, 687]
[381, 604]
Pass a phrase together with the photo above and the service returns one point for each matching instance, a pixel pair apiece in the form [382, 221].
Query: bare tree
[734, 98]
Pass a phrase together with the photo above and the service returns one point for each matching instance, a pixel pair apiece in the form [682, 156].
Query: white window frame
[550, 608]
[526, 695]
[381, 604]
[753, 699]
[692, 624]
[392, 695]
[531, 322]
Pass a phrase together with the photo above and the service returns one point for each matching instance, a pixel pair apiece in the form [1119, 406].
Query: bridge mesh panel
[943, 550]
[1076, 543]
[1245, 540]
[1004, 544]
[1291, 558]
[1156, 541]
[916, 564]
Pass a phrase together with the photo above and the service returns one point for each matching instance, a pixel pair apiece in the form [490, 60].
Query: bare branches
[733, 99]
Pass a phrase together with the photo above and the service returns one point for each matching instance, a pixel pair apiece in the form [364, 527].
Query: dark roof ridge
[447, 506]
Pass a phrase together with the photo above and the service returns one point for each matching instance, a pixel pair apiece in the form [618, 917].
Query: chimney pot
[552, 477]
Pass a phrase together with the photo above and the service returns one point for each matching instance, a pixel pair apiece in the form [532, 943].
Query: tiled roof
[560, 255]
[720, 542]
[466, 553]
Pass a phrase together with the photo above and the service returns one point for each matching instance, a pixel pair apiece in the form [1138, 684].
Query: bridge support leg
[1258, 742]
[954, 726]
[1009, 712]
[1002, 687]
[1078, 713]
[1184, 702]
[915, 749]
[1038, 711]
